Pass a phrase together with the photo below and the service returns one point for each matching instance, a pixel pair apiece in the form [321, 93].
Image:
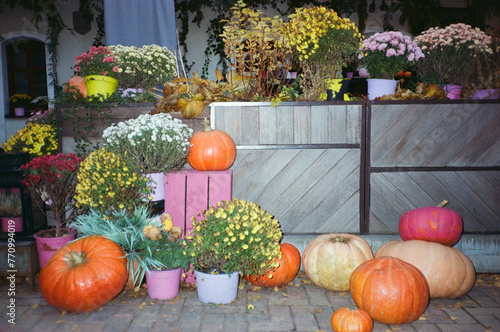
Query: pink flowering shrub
[386, 53]
[97, 61]
[52, 179]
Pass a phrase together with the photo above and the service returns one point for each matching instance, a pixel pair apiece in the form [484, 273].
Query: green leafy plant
[235, 236]
[150, 143]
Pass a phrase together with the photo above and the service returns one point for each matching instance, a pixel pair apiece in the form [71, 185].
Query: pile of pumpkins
[394, 286]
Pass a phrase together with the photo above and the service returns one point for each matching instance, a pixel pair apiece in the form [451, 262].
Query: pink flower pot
[47, 246]
[163, 285]
[487, 94]
[19, 111]
[217, 288]
[10, 224]
[453, 91]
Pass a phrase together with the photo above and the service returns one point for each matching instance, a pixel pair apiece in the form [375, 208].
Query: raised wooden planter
[93, 122]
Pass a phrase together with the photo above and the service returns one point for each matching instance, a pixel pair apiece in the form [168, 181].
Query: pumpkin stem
[206, 125]
[339, 239]
[73, 258]
[443, 203]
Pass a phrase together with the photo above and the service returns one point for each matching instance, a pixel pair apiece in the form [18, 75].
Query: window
[27, 72]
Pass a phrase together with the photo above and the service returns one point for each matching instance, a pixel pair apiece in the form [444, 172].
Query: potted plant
[231, 238]
[324, 43]
[51, 181]
[383, 55]
[152, 145]
[99, 68]
[11, 212]
[449, 54]
[40, 103]
[19, 102]
[35, 139]
[126, 228]
[107, 182]
[164, 255]
[143, 67]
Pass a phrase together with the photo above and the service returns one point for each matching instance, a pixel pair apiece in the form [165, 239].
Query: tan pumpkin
[449, 272]
[329, 259]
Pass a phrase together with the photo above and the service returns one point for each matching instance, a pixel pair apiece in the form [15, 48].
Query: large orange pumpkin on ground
[84, 274]
[449, 272]
[284, 273]
[347, 320]
[211, 150]
[329, 259]
[391, 291]
[76, 83]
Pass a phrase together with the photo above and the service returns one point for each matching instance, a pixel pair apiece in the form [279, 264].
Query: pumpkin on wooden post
[432, 223]
[288, 268]
[211, 150]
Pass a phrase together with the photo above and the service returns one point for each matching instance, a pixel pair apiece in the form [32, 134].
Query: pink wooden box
[189, 192]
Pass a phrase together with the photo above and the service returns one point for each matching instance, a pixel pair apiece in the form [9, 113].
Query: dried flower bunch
[259, 56]
[162, 247]
[235, 236]
[449, 53]
[324, 43]
[52, 179]
[150, 143]
[19, 100]
[10, 205]
[386, 53]
[35, 139]
[107, 182]
[97, 61]
[144, 67]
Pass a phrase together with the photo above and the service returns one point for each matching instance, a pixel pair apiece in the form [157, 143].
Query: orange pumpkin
[211, 150]
[329, 259]
[390, 290]
[347, 320]
[76, 83]
[84, 274]
[284, 273]
[449, 272]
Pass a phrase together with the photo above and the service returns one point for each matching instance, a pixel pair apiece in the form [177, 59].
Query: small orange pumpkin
[211, 150]
[347, 320]
[76, 83]
[284, 273]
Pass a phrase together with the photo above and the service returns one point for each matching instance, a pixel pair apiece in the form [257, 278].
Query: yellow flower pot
[100, 86]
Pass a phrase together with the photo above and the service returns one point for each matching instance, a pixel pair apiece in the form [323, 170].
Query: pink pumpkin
[432, 224]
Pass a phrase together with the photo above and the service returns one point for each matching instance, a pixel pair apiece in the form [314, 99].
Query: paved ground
[300, 306]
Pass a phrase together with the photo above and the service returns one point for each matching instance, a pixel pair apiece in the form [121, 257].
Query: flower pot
[10, 224]
[100, 86]
[47, 245]
[163, 285]
[487, 94]
[380, 87]
[453, 91]
[217, 288]
[157, 184]
[337, 89]
[19, 111]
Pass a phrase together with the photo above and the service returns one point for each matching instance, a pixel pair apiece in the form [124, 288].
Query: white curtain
[140, 22]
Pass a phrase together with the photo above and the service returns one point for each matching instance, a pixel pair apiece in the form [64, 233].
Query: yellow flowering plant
[35, 139]
[107, 182]
[235, 236]
[324, 44]
[19, 100]
[161, 247]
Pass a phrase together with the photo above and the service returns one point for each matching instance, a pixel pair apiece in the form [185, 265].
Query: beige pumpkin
[449, 272]
[329, 259]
